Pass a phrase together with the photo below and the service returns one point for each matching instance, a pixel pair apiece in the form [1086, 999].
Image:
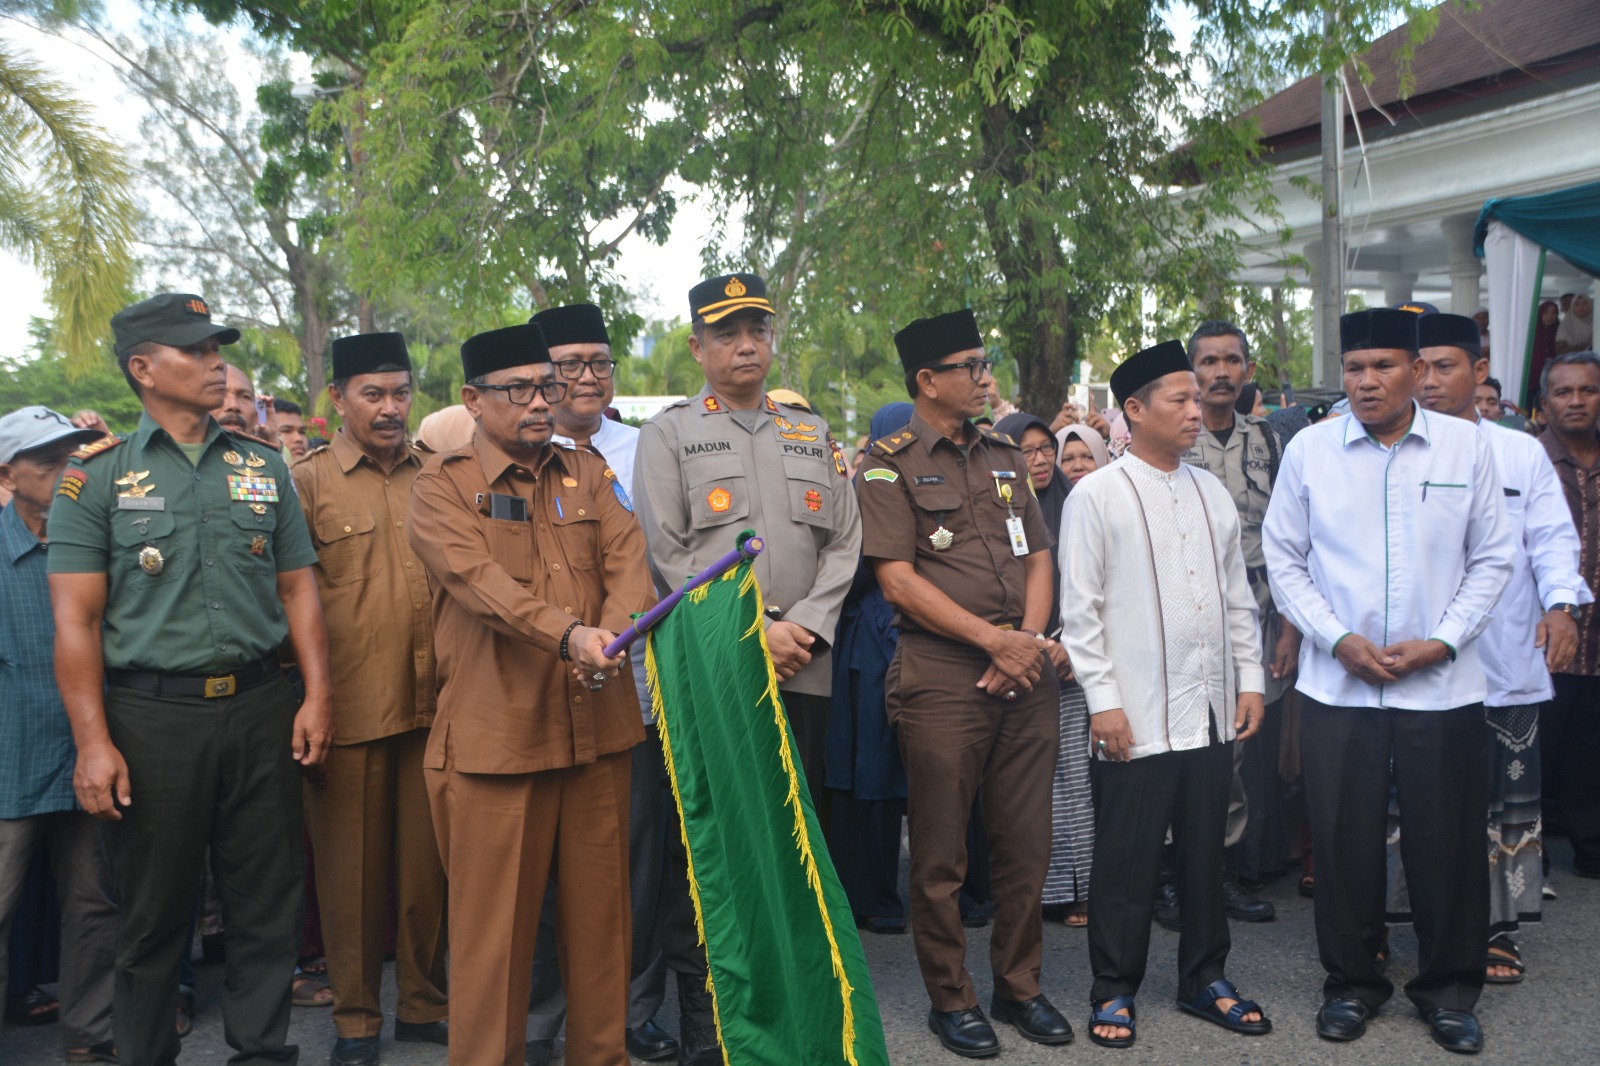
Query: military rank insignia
[97, 446]
[772, 408]
[813, 500]
[72, 484]
[253, 488]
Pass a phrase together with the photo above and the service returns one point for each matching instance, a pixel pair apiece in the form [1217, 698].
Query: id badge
[1019, 539]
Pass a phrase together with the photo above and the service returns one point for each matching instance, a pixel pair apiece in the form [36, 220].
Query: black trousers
[1137, 801]
[1571, 753]
[215, 772]
[864, 840]
[1438, 760]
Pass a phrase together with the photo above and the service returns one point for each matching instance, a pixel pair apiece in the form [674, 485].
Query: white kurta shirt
[616, 443]
[1544, 571]
[1408, 542]
[1156, 610]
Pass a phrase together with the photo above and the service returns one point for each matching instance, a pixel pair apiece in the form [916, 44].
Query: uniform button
[555, 566]
[418, 606]
[400, 523]
[410, 565]
[577, 699]
[205, 518]
[541, 525]
[215, 606]
[347, 529]
[210, 562]
[961, 462]
[581, 512]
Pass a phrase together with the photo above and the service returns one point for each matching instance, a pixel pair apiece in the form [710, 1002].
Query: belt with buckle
[211, 687]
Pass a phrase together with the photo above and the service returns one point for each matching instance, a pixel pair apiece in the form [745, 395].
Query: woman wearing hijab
[864, 774]
[1250, 401]
[1066, 885]
[1080, 451]
[1576, 332]
[1544, 344]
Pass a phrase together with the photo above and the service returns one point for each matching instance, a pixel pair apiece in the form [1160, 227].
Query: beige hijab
[1097, 445]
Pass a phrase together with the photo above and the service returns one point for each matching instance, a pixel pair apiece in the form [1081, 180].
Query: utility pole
[1330, 267]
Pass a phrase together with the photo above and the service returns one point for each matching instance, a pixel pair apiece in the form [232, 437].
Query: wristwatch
[1569, 609]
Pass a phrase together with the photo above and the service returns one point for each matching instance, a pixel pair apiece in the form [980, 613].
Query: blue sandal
[1205, 1006]
[1105, 1013]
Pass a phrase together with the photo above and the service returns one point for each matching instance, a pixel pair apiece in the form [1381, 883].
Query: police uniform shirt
[917, 482]
[191, 550]
[704, 473]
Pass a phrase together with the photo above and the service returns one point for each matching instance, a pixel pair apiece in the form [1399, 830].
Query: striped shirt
[36, 751]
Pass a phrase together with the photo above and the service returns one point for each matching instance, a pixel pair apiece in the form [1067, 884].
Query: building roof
[1475, 60]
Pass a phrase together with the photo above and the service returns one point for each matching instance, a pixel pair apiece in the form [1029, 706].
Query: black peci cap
[1378, 328]
[928, 340]
[1449, 331]
[1151, 364]
[369, 353]
[499, 349]
[176, 319]
[572, 324]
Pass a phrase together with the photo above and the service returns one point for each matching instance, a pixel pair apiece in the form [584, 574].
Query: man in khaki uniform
[959, 544]
[1242, 451]
[536, 564]
[707, 467]
[369, 805]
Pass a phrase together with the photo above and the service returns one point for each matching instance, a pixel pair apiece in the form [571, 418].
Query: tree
[64, 197]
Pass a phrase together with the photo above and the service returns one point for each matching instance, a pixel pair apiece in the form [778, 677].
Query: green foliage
[41, 377]
[64, 200]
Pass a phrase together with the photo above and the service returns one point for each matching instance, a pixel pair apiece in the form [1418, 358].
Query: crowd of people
[332, 699]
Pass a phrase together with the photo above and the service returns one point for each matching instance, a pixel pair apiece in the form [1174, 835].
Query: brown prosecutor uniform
[954, 737]
[526, 767]
[369, 803]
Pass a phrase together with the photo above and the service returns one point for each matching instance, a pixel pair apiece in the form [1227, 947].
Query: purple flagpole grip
[750, 546]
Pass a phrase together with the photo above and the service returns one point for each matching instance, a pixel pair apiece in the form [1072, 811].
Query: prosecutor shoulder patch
[894, 442]
[999, 438]
[95, 447]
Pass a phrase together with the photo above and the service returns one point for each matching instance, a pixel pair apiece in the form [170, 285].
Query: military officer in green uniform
[179, 563]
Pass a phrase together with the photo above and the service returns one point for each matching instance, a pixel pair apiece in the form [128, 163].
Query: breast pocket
[345, 547]
[133, 531]
[938, 506]
[511, 545]
[577, 529]
[254, 547]
[810, 499]
[718, 493]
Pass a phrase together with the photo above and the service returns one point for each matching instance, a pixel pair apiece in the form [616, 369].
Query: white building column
[1324, 366]
[1397, 287]
[1466, 270]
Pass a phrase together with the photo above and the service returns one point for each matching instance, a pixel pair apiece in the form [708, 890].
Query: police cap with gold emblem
[716, 298]
[176, 319]
[369, 353]
[502, 349]
[928, 340]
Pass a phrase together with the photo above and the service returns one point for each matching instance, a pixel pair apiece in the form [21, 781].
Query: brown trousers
[954, 739]
[374, 806]
[502, 837]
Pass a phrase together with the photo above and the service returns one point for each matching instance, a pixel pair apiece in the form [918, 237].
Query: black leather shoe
[1455, 1030]
[1034, 1018]
[1167, 914]
[422, 1032]
[354, 1051]
[874, 923]
[1243, 907]
[1343, 1019]
[651, 1043]
[538, 1052]
[697, 1025]
[966, 1032]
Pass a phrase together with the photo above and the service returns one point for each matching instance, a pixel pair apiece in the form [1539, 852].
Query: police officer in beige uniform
[1242, 451]
[707, 467]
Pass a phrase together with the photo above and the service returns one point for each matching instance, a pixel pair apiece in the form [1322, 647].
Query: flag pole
[749, 546]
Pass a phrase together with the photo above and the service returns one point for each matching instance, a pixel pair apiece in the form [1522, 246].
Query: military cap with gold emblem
[716, 298]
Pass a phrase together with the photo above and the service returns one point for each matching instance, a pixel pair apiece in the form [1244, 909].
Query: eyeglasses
[1046, 450]
[572, 369]
[521, 394]
[975, 367]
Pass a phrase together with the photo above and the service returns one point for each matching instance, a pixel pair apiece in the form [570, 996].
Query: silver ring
[1100, 744]
[600, 675]
[1011, 694]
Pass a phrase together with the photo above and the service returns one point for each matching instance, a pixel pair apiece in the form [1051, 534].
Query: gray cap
[34, 427]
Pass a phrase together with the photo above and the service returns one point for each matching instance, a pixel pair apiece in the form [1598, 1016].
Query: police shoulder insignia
[838, 458]
[95, 447]
[998, 438]
[893, 442]
[772, 408]
[713, 404]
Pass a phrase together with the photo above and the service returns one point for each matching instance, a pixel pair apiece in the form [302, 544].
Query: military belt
[211, 686]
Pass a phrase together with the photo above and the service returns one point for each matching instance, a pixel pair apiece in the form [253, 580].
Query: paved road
[1550, 1018]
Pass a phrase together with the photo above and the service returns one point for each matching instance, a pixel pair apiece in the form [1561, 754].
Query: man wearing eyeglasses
[960, 546]
[535, 564]
[580, 350]
[728, 458]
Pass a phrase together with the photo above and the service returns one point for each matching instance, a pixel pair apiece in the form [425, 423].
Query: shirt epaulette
[248, 438]
[306, 458]
[95, 447]
[894, 442]
[998, 438]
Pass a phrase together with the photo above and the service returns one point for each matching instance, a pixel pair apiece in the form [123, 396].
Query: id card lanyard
[1019, 539]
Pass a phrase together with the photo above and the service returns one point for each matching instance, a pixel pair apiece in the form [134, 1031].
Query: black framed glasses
[1046, 450]
[975, 367]
[572, 369]
[521, 393]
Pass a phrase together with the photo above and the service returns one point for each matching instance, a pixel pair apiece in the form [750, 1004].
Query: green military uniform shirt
[191, 551]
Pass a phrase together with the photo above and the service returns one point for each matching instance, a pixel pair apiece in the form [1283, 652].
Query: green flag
[788, 976]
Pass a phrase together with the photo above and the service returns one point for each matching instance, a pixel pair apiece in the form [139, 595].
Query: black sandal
[1205, 1006]
[1503, 952]
[1105, 1013]
[33, 1007]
